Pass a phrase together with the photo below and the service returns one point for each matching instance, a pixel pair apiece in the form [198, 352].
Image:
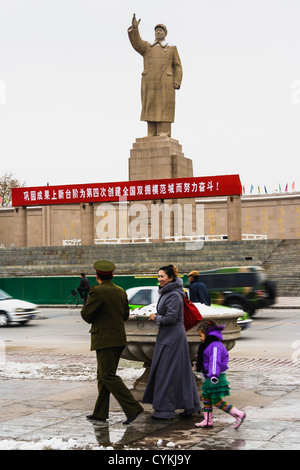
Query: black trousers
[109, 382]
[83, 294]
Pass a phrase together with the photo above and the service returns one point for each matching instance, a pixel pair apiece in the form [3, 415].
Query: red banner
[206, 186]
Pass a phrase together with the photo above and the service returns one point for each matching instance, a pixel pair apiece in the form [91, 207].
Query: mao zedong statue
[161, 76]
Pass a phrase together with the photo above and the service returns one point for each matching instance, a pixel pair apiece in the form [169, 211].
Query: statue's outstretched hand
[135, 22]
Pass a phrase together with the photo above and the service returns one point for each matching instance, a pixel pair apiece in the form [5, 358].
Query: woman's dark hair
[170, 270]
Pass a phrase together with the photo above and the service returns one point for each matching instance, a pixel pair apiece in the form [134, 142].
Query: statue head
[160, 30]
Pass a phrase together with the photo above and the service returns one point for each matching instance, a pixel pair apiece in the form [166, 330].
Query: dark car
[244, 287]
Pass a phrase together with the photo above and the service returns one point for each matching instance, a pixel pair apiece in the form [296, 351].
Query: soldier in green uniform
[107, 309]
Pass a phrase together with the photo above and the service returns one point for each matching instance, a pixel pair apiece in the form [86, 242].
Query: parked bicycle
[74, 299]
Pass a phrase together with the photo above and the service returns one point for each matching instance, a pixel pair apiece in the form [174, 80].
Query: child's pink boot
[207, 422]
[238, 415]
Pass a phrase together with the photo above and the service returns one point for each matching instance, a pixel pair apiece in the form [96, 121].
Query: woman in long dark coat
[171, 384]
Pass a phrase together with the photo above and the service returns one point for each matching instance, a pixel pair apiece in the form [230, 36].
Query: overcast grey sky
[70, 88]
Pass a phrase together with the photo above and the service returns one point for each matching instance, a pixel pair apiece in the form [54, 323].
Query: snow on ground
[77, 372]
[45, 444]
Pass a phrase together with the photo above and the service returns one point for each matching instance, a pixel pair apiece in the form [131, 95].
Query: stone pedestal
[158, 158]
[153, 158]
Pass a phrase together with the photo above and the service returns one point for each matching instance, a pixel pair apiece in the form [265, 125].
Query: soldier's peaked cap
[161, 26]
[104, 267]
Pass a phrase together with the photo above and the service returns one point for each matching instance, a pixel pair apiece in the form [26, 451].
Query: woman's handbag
[192, 316]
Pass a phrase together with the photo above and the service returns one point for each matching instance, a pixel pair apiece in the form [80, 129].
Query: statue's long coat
[162, 68]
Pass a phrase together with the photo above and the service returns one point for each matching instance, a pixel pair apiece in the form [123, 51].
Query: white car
[15, 311]
[143, 296]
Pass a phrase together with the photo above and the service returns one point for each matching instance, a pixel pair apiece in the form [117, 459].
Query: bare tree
[7, 182]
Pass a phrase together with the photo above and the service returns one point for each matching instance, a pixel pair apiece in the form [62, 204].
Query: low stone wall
[280, 258]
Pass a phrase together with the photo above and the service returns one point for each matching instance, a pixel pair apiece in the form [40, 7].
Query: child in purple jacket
[212, 361]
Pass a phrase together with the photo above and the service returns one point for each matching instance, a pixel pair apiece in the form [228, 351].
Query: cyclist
[83, 288]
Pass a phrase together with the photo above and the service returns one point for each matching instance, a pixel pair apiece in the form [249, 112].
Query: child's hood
[217, 331]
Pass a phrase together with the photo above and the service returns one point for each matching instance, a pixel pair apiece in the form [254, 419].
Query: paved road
[273, 333]
[55, 329]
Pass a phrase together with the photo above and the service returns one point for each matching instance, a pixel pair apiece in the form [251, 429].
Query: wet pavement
[46, 396]
[50, 413]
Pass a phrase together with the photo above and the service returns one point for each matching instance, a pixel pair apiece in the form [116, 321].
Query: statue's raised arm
[134, 23]
[162, 74]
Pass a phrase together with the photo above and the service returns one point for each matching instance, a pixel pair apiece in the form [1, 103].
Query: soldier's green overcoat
[106, 309]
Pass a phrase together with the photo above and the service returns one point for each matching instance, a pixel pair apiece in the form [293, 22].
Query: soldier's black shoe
[93, 418]
[133, 417]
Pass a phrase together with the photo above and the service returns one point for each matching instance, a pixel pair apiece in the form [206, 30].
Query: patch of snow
[44, 444]
[76, 372]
